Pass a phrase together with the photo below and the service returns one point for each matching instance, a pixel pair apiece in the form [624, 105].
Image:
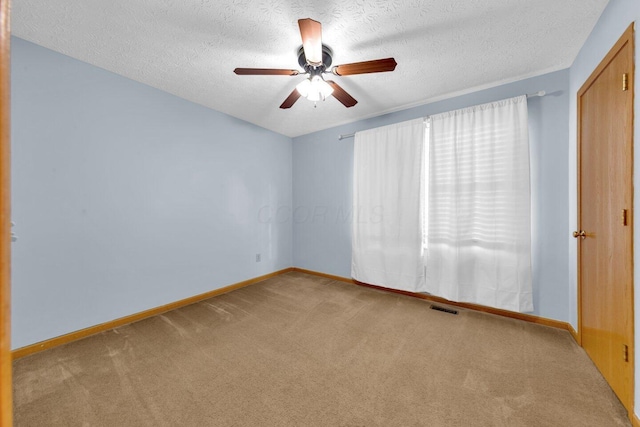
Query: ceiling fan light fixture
[315, 59]
[314, 88]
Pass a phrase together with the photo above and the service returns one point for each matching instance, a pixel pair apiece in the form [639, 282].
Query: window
[479, 215]
[455, 201]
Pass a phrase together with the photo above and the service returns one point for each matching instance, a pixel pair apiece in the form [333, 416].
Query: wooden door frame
[6, 406]
[626, 38]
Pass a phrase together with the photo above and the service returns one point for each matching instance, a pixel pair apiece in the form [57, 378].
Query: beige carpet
[300, 350]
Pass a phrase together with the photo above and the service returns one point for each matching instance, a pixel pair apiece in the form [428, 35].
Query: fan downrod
[327, 58]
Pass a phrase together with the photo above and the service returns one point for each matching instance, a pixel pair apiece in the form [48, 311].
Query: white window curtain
[479, 214]
[388, 179]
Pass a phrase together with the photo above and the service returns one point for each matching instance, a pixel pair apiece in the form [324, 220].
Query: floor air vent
[445, 310]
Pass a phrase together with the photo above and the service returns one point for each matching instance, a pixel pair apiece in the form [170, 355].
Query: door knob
[582, 234]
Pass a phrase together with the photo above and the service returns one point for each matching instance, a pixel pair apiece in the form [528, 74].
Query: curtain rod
[529, 95]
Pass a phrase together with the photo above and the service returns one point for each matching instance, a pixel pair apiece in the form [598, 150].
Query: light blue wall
[127, 198]
[322, 187]
[615, 19]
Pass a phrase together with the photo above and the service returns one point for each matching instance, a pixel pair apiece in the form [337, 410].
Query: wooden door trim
[6, 407]
[627, 38]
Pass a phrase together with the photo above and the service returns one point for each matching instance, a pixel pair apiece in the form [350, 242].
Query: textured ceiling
[190, 47]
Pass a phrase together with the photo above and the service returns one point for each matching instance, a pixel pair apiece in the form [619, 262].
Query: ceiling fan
[315, 58]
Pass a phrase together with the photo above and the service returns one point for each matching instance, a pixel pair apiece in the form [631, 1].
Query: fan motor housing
[327, 57]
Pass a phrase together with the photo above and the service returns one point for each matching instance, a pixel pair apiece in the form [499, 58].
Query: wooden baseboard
[505, 313]
[574, 333]
[635, 421]
[92, 330]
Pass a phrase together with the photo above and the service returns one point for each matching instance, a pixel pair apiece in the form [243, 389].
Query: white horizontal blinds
[479, 230]
[387, 186]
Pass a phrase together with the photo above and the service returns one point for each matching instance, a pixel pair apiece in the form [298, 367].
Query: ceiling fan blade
[375, 66]
[291, 99]
[342, 95]
[311, 32]
[265, 72]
